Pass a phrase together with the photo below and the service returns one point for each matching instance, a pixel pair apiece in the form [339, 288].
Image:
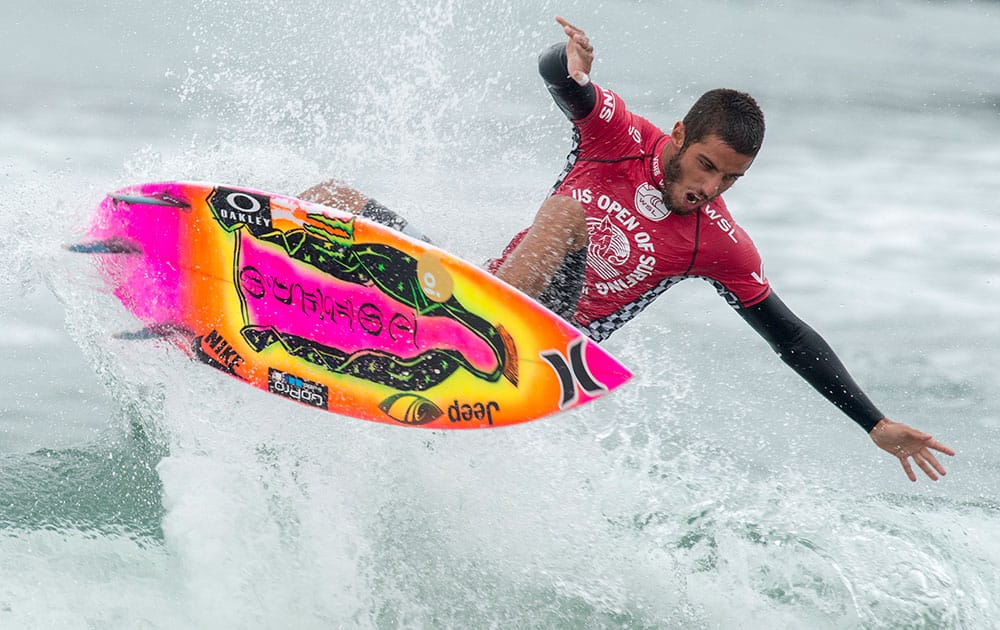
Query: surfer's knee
[565, 216]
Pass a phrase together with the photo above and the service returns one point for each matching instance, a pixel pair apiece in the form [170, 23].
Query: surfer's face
[699, 172]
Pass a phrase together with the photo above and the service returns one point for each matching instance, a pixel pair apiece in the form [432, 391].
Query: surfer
[637, 210]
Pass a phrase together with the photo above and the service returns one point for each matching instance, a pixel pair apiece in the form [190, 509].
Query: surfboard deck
[336, 312]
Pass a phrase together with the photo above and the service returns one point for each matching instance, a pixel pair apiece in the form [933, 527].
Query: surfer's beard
[691, 202]
[671, 175]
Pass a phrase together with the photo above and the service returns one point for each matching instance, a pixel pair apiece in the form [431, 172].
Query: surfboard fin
[155, 331]
[114, 245]
[162, 199]
[510, 365]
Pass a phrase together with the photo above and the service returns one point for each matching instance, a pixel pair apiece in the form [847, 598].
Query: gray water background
[717, 490]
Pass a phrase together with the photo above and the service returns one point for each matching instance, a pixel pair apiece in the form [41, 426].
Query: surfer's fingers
[937, 446]
[575, 34]
[582, 41]
[568, 28]
[929, 457]
[907, 468]
[924, 464]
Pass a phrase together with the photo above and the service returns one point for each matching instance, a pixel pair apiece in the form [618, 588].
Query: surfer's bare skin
[560, 228]
[905, 443]
[335, 194]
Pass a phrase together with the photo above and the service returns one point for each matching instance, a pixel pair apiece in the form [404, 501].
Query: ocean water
[139, 490]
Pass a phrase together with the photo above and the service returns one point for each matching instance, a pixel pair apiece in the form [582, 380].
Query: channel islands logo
[649, 202]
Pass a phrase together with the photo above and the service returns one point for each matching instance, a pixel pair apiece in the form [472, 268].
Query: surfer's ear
[677, 135]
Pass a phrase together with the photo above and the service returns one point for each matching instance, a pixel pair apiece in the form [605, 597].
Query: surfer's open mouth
[693, 200]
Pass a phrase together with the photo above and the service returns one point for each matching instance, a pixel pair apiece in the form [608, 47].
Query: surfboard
[336, 312]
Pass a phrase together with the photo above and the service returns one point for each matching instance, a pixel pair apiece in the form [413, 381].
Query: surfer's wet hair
[731, 115]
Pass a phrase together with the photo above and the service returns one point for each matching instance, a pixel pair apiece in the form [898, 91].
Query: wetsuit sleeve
[575, 100]
[805, 351]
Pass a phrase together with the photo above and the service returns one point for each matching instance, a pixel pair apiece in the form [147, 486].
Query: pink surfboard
[337, 312]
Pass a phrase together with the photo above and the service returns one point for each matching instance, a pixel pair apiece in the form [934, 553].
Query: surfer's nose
[713, 186]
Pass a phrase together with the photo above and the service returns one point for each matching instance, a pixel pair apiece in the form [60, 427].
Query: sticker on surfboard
[333, 311]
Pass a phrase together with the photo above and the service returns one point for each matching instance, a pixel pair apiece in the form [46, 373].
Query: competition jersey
[637, 248]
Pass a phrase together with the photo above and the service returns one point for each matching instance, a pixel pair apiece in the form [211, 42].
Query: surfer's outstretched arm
[806, 352]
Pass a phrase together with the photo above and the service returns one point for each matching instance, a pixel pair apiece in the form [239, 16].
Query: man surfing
[637, 210]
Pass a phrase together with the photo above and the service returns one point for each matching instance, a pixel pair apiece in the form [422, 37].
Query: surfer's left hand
[905, 442]
[579, 52]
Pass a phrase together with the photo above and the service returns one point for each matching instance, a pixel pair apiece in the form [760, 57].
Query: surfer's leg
[559, 229]
[338, 195]
[335, 194]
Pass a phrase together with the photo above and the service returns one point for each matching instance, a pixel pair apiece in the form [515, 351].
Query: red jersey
[638, 248]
